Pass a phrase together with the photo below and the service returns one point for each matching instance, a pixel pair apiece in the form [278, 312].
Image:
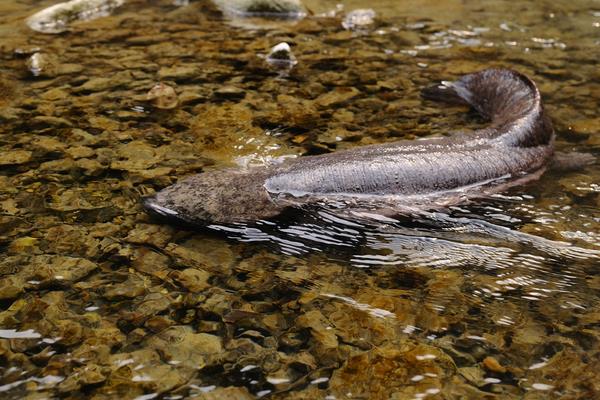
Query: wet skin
[402, 176]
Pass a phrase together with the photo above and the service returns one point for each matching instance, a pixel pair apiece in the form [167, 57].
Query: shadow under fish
[403, 177]
[447, 238]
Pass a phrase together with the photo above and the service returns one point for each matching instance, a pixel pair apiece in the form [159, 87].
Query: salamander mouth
[165, 214]
[152, 206]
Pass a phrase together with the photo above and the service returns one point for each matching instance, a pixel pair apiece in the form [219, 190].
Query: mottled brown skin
[397, 177]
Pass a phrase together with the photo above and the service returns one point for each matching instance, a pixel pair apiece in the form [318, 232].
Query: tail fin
[498, 94]
[445, 92]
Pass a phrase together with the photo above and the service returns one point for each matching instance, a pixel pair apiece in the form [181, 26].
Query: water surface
[497, 299]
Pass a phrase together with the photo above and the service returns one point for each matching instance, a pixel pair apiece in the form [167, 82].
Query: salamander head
[215, 197]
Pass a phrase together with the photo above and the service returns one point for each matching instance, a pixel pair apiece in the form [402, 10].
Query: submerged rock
[57, 18]
[281, 57]
[42, 65]
[25, 51]
[162, 96]
[15, 157]
[194, 280]
[181, 345]
[230, 93]
[263, 8]
[359, 19]
[389, 372]
[39, 271]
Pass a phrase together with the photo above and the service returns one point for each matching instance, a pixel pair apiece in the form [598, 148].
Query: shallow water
[497, 299]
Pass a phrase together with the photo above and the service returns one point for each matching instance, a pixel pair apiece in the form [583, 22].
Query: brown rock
[15, 157]
[493, 365]
[337, 96]
[193, 279]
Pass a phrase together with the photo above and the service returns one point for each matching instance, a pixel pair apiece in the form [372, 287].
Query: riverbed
[495, 299]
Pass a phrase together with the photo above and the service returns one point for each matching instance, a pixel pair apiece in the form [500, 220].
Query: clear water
[494, 299]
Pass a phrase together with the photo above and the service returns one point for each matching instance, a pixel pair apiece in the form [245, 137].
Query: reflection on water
[468, 239]
[494, 299]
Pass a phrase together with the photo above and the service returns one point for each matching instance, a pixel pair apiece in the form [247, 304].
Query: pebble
[263, 8]
[230, 93]
[359, 19]
[57, 18]
[281, 57]
[493, 365]
[15, 157]
[178, 72]
[585, 127]
[337, 96]
[42, 65]
[162, 96]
